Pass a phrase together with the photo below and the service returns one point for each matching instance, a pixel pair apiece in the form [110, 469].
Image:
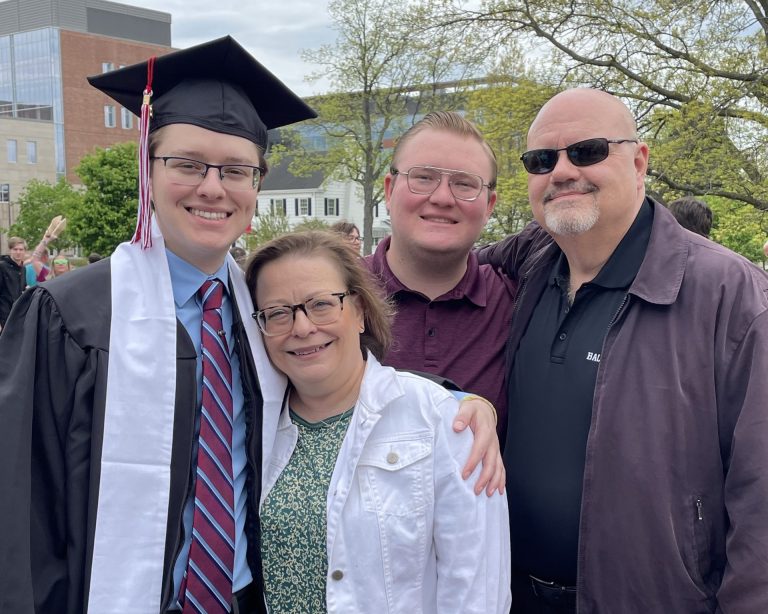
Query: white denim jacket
[405, 533]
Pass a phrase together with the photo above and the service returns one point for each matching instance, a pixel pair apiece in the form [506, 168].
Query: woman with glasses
[350, 233]
[363, 506]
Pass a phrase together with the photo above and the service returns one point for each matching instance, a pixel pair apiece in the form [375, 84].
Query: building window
[109, 116]
[5, 192]
[331, 206]
[12, 153]
[107, 67]
[303, 206]
[278, 206]
[126, 119]
[31, 152]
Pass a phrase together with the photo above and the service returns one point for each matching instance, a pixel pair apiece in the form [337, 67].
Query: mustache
[585, 187]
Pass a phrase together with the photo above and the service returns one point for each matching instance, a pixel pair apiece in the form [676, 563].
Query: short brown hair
[344, 228]
[448, 121]
[14, 241]
[377, 312]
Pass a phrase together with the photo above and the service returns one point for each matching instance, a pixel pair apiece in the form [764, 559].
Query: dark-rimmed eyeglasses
[320, 310]
[583, 153]
[185, 171]
[426, 179]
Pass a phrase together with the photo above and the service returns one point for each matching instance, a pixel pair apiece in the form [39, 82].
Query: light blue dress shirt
[186, 281]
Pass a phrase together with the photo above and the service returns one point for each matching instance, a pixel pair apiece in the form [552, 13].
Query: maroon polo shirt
[460, 335]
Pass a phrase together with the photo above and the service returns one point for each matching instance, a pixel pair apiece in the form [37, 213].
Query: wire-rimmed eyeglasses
[321, 309]
[426, 179]
[185, 171]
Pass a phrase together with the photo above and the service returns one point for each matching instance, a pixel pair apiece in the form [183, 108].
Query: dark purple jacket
[674, 515]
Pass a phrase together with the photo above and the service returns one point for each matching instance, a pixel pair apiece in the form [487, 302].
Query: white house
[319, 197]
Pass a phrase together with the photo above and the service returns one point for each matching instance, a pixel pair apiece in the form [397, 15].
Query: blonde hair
[377, 311]
[448, 121]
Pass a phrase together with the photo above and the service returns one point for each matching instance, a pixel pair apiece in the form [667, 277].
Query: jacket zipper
[699, 506]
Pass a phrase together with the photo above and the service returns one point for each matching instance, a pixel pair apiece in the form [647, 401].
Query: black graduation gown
[53, 377]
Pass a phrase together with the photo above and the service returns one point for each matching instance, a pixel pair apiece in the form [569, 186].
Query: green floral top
[293, 519]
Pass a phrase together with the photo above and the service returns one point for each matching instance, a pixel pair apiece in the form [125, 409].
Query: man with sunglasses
[637, 440]
[452, 314]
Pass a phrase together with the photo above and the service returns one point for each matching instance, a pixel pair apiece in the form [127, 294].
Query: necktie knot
[211, 293]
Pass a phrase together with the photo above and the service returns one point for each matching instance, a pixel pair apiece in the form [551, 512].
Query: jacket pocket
[702, 556]
[394, 474]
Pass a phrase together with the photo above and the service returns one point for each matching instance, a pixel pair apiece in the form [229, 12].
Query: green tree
[739, 227]
[503, 111]
[106, 216]
[39, 203]
[386, 67]
[695, 62]
[311, 223]
[268, 226]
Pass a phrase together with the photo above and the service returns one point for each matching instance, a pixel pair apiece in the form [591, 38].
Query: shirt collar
[621, 268]
[186, 279]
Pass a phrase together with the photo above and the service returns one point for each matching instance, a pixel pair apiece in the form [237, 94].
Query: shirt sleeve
[471, 533]
[743, 394]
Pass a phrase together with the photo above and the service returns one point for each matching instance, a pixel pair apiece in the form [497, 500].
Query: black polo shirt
[551, 389]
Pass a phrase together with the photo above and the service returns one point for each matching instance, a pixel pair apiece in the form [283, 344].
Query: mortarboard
[217, 85]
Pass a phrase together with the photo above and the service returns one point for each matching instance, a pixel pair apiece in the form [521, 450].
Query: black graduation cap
[217, 85]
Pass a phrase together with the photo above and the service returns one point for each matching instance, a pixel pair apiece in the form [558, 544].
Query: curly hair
[377, 311]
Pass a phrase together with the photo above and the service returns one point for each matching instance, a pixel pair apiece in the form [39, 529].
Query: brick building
[49, 116]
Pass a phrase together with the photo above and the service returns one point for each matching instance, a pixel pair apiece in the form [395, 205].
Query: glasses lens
[423, 180]
[57, 261]
[323, 309]
[586, 153]
[185, 172]
[539, 161]
[275, 320]
[239, 177]
[465, 186]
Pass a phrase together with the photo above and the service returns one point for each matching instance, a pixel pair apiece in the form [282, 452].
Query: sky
[274, 31]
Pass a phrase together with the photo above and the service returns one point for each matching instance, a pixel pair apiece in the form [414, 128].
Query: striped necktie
[208, 580]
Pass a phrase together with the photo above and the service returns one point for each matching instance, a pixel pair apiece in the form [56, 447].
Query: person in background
[94, 257]
[350, 232]
[452, 314]
[364, 508]
[692, 214]
[61, 265]
[40, 262]
[637, 444]
[240, 255]
[13, 278]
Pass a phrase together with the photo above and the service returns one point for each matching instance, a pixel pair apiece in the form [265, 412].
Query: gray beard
[570, 221]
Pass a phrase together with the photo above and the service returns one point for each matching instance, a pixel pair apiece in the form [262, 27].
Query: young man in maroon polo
[452, 313]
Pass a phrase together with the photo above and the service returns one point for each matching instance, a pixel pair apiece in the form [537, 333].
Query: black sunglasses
[583, 153]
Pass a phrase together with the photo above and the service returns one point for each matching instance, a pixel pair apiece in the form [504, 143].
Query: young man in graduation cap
[131, 417]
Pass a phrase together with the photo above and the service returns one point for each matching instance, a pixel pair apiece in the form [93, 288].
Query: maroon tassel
[144, 223]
